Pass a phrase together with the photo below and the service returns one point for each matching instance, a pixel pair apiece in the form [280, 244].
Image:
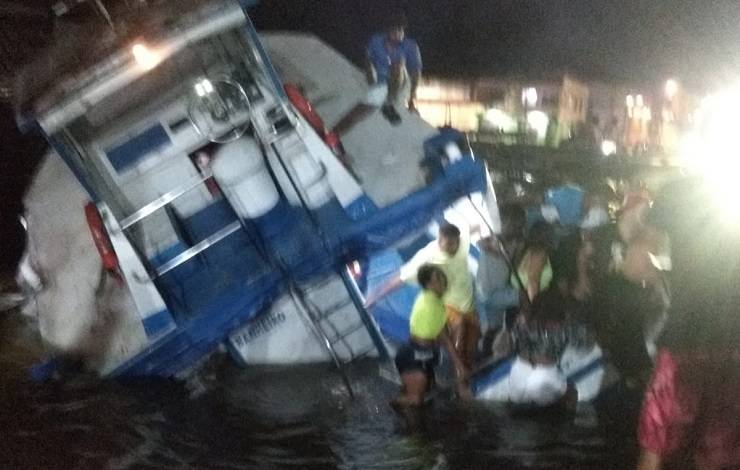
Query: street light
[529, 97]
[145, 57]
[671, 88]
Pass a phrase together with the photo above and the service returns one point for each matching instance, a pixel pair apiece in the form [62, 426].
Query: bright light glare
[529, 97]
[630, 101]
[500, 120]
[712, 148]
[671, 88]
[207, 85]
[145, 57]
[608, 147]
[203, 87]
[639, 102]
[538, 121]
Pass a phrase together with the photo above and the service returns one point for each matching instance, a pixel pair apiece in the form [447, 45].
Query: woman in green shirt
[416, 359]
[533, 268]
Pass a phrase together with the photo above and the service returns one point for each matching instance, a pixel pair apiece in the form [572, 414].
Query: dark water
[273, 418]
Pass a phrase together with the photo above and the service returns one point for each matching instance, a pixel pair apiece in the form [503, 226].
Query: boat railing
[165, 200]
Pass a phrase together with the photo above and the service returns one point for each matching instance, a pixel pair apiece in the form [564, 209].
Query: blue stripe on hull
[158, 322]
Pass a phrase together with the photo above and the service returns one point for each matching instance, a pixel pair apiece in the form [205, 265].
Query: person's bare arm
[649, 461]
[369, 71]
[386, 289]
[414, 77]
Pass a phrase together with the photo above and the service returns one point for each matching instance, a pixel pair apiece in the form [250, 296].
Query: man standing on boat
[450, 253]
[393, 70]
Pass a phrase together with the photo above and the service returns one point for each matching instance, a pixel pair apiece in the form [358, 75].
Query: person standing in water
[534, 269]
[416, 359]
[495, 294]
[450, 253]
[691, 412]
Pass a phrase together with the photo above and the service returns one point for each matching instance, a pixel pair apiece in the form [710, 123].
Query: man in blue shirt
[393, 68]
[394, 61]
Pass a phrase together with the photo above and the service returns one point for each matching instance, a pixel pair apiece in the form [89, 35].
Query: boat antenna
[104, 12]
[63, 7]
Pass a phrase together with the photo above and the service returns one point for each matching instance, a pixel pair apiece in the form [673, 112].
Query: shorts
[412, 357]
[455, 317]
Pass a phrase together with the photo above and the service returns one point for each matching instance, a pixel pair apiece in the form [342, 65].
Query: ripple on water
[264, 418]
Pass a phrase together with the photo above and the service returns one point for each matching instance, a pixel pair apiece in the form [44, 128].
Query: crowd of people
[545, 284]
[653, 286]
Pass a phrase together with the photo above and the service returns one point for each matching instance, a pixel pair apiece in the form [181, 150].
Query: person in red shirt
[691, 410]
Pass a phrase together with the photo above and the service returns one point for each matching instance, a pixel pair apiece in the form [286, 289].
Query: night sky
[619, 40]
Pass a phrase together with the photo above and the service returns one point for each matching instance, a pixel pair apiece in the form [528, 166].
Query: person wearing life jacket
[416, 359]
[534, 268]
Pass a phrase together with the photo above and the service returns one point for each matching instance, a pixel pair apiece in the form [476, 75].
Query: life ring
[102, 240]
[330, 138]
[304, 107]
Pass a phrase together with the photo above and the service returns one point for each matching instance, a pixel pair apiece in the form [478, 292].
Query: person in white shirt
[450, 253]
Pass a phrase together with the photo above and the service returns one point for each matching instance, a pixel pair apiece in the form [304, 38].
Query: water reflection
[269, 418]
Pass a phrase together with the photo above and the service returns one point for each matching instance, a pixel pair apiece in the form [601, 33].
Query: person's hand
[371, 299]
[488, 245]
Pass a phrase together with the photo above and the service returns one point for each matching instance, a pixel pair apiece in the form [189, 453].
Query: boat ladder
[342, 324]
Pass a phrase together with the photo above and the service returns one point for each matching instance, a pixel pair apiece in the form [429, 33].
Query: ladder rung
[344, 334]
[329, 311]
[160, 202]
[323, 283]
[357, 356]
[366, 352]
[200, 247]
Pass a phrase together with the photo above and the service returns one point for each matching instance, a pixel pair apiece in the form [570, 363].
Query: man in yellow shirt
[450, 253]
[416, 359]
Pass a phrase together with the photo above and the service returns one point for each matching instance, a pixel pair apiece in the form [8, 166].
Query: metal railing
[165, 200]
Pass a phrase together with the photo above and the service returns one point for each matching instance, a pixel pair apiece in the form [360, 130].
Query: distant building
[542, 112]
[642, 120]
[553, 110]
[448, 103]
[609, 118]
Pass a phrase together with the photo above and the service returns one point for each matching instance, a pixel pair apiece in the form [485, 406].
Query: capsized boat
[191, 202]
[194, 199]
